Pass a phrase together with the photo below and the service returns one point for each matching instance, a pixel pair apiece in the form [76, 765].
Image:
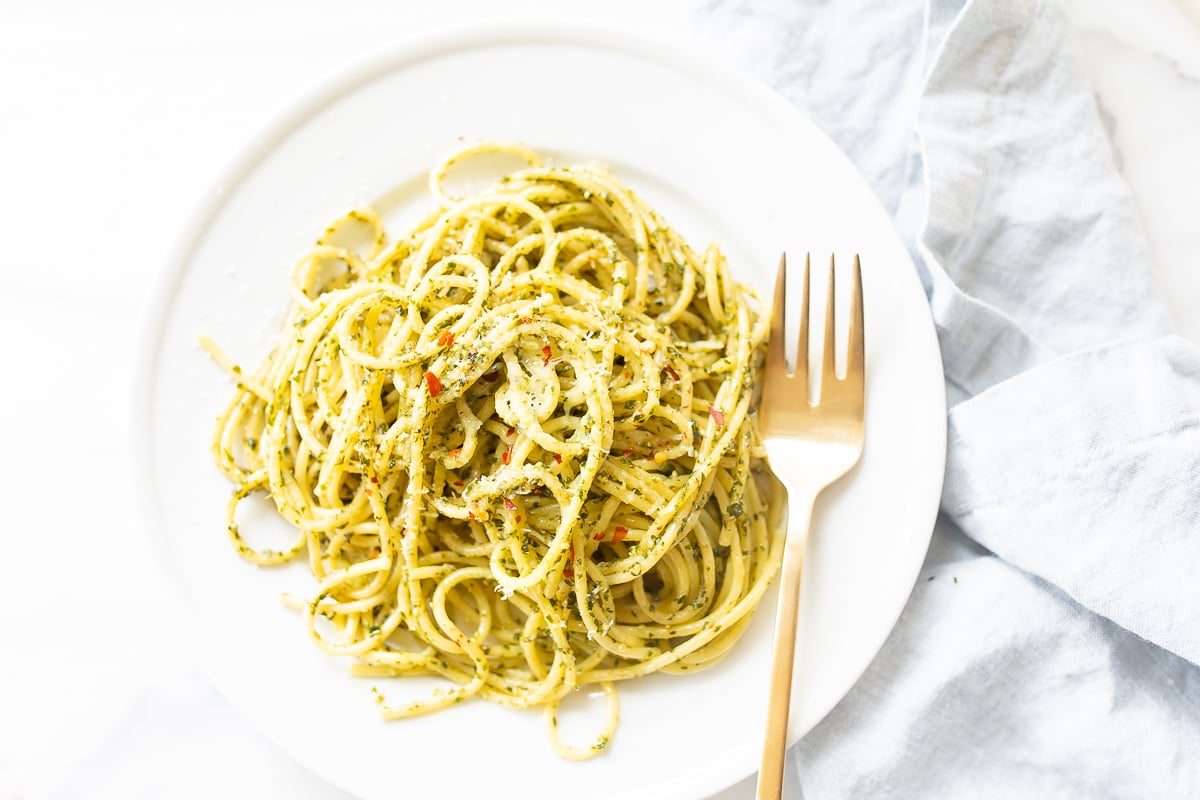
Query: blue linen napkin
[1050, 648]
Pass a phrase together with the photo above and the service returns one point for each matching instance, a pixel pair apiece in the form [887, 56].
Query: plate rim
[308, 101]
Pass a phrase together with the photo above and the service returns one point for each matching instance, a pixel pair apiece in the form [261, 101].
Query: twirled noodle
[518, 444]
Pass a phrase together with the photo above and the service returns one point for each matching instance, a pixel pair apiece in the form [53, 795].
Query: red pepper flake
[506, 456]
[619, 533]
[508, 433]
[717, 414]
[446, 339]
[510, 505]
[599, 537]
[435, 384]
[471, 515]
[374, 480]
[557, 458]
[458, 483]
[367, 492]
[569, 572]
[491, 376]
[671, 371]
[455, 453]
[526, 320]
[546, 353]
[628, 452]
[519, 518]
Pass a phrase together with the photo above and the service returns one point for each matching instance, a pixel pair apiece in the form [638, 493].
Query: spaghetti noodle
[518, 444]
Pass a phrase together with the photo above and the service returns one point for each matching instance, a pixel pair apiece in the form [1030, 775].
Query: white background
[115, 119]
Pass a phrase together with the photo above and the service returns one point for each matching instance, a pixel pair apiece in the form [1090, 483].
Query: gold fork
[809, 446]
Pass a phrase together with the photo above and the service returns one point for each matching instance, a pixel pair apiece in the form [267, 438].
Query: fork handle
[770, 773]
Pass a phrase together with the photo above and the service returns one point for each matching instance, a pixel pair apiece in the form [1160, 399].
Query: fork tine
[801, 370]
[828, 365]
[855, 357]
[776, 351]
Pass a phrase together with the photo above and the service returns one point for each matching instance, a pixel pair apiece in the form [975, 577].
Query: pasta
[518, 444]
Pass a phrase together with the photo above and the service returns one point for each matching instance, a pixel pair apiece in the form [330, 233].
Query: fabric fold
[1083, 468]
[1099, 492]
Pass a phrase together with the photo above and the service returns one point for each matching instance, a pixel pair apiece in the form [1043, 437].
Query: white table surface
[114, 120]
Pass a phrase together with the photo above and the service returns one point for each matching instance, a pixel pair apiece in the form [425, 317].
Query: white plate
[724, 158]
